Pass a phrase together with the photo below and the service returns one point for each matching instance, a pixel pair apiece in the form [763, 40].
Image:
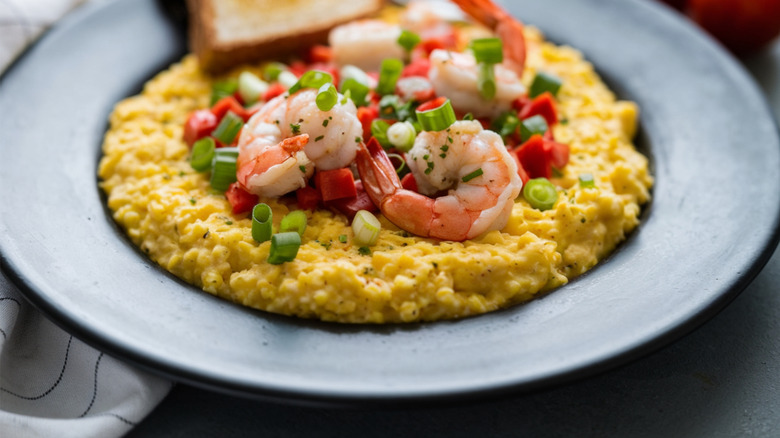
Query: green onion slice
[545, 82]
[311, 79]
[506, 123]
[262, 222]
[287, 79]
[388, 75]
[343, 238]
[272, 70]
[224, 88]
[357, 91]
[586, 180]
[202, 154]
[408, 40]
[366, 228]
[294, 221]
[486, 80]
[437, 119]
[228, 128]
[223, 168]
[472, 175]
[284, 247]
[487, 50]
[532, 125]
[327, 97]
[250, 87]
[402, 162]
[402, 135]
[540, 193]
[379, 129]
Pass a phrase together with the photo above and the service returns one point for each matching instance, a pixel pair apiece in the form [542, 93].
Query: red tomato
[199, 124]
[743, 26]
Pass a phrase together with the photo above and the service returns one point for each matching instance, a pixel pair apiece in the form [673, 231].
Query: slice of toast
[225, 33]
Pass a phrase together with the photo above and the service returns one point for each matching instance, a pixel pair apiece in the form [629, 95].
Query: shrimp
[289, 136]
[504, 25]
[365, 43]
[471, 164]
[455, 75]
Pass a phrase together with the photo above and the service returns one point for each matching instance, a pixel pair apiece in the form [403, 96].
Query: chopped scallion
[486, 81]
[586, 180]
[202, 154]
[224, 88]
[250, 87]
[343, 238]
[544, 82]
[531, 126]
[272, 70]
[284, 247]
[357, 91]
[287, 79]
[228, 128]
[388, 75]
[487, 50]
[408, 40]
[506, 123]
[311, 79]
[401, 135]
[262, 222]
[540, 193]
[437, 119]
[294, 221]
[366, 228]
[379, 129]
[402, 163]
[223, 168]
[327, 97]
[472, 175]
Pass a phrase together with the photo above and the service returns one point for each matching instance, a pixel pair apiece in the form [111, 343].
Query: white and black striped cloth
[52, 384]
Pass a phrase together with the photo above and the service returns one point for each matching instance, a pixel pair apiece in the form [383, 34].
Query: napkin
[52, 384]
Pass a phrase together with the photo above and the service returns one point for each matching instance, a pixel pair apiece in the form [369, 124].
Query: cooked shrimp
[365, 43]
[289, 136]
[455, 75]
[471, 164]
[432, 18]
[504, 25]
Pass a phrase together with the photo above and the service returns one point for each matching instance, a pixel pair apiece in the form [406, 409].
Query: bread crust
[215, 56]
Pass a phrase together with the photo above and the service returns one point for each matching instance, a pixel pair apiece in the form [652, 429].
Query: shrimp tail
[408, 210]
[507, 27]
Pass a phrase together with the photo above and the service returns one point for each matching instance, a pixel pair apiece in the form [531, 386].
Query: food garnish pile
[416, 168]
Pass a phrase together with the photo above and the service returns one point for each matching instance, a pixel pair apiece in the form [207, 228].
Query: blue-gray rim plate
[710, 228]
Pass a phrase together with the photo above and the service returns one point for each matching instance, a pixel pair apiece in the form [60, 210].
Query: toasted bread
[225, 33]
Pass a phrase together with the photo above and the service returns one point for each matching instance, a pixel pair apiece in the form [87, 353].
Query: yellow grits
[171, 213]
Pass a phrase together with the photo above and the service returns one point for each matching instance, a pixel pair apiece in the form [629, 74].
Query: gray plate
[710, 228]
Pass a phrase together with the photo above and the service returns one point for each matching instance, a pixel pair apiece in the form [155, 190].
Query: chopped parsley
[296, 129]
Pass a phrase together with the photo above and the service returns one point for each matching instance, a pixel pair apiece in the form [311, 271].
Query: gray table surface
[722, 380]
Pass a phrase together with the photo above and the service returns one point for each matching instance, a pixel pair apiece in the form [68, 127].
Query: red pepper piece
[240, 200]
[558, 152]
[308, 198]
[276, 89]
[534, 157]
[521, 102]
[542, 105]
[366, 115]
[418, 67]
[520, 169]
[409, 183]
[431, 104]
[229, 103]
[199, 124]
[320, 53]
[350, 206]
[335, 184]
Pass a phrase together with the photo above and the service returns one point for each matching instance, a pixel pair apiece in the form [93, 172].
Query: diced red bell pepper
[199, 124]
[320, 53]
[240, 200]
[350, 206]
[418, 67]
[534, 158]
[276, 89]
[308, 198]
[521, 102]
[366, 115]
[542, 105]
[229, 103]
[538, 156]
[409, 183]
[559, 153]
[431, 104]
[335, 184]
[520, 170]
